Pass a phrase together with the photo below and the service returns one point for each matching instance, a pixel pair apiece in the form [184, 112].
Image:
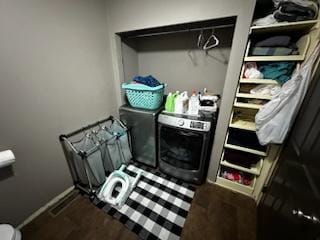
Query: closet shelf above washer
[244, 149]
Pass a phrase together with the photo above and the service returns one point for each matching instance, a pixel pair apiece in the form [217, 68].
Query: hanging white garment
[263, 89]
[275, 118]
[251, 71]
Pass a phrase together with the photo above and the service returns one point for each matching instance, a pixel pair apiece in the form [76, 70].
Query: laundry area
[176, 122]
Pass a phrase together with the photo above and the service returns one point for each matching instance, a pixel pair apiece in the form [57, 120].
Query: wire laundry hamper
[94, 151]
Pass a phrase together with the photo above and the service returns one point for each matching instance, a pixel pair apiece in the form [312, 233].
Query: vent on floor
[63, 203]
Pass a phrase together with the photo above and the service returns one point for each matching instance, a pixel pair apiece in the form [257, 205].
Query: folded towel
[296, 10]
[267, 20]
[275, 41]
[279, 71]
[273, 51]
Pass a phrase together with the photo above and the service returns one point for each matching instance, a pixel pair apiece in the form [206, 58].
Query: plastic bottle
[170, 102]
[181, 103]
[175, 95]
[193, 108]
[169, 106]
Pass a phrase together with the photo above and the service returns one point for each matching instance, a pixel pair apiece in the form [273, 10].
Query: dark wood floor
[215, 214]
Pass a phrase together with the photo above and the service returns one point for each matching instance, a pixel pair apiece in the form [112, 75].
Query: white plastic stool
[116, 178]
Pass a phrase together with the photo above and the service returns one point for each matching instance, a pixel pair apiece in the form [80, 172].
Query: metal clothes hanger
[200, 39]
[207, 46]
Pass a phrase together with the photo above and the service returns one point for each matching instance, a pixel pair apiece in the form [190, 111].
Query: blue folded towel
[279, 71]
[148, 80]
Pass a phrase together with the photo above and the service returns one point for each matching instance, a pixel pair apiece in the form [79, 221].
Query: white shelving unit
[243, 113]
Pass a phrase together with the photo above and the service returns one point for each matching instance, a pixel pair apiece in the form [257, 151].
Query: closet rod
[181, 31]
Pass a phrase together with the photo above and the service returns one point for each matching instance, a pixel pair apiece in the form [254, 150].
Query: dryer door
[181, 148]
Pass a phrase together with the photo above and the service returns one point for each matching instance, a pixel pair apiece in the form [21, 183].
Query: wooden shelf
[244, 149]
[274, 58]
[238, 187]
[253, 170]
[258, 81]
[285, 27]
[255, 96]
[302, 44]
[242, 124]
[247, 105]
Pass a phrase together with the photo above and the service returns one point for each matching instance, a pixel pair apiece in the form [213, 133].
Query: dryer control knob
[180, 122]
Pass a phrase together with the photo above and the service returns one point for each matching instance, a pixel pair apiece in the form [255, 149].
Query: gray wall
[130, 59]
[175, 59]
[56, 76]
[127, 15]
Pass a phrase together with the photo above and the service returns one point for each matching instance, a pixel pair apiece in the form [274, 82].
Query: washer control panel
[186, 123]
[197, 125]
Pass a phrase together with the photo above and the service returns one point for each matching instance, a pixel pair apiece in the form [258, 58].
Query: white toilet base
[7, 232]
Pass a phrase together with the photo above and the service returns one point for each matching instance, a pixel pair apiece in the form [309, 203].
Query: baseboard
[45, 207]
[210, 181]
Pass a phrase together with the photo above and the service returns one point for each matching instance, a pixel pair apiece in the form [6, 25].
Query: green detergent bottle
[169, 105]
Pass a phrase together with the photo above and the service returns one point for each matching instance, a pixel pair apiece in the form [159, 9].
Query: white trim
[45, 207]
[210, 181]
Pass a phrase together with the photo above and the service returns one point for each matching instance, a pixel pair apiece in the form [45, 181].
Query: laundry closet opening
[174, 54]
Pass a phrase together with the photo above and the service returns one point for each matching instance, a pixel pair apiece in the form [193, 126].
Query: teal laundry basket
[143, 96]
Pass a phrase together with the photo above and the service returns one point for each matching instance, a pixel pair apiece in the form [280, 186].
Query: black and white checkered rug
[157, 208]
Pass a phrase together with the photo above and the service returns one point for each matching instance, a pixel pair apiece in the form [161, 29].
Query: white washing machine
[185, 144]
